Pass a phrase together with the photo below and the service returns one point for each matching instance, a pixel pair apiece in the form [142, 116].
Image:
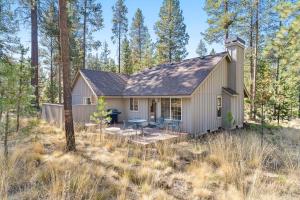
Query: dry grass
[223, 166]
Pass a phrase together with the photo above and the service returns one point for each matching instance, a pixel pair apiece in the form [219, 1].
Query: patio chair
[175, 126]
[160, 123]
[127, 125]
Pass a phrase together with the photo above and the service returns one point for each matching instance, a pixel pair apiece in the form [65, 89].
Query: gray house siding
[82, 90]
[204, 100]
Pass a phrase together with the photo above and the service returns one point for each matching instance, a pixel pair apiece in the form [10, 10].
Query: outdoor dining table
[138, 123]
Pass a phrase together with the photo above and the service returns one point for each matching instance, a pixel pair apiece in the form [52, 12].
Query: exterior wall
[204, 100]
[81, 90]
[226, 107]
[117, 103]
[142, 112]
[187, 115]
[236, 51]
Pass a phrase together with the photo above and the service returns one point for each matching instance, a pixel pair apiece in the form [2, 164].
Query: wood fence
[54, 113]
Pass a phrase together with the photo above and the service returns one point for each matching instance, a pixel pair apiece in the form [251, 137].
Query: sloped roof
[170, 79]
[105, 83]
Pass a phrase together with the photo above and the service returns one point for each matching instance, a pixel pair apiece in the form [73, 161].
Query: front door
[152, 110]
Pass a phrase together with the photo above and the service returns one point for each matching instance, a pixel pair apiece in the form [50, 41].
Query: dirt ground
[229, 165]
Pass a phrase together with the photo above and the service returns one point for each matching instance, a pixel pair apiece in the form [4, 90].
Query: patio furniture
[138, 123]
[172, 125]
[160, 123]
[175, 126]
[127, 125]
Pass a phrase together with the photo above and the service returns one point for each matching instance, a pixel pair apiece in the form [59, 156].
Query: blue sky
[194, 18]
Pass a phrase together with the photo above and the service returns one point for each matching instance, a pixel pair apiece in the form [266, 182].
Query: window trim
[171, 107]
[85, 100]
[138, 104]
[221, 106]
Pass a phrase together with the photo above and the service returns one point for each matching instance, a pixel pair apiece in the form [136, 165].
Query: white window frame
[85, 100]
[171, 107]
[133, 100]
[219, 96]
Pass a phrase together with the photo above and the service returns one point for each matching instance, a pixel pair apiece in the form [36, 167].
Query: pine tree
[221, 18]
[50, 43]
[139, 40]
[92, 21]
[201, 49]
[120, 26]
[212, 52]
[64, 43]
[126, 57]
[104, 57]
[8, 27]
[171, 33]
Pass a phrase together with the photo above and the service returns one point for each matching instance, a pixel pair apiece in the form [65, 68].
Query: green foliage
[101, 115]
[171, 32]
[221, 17]
[140, 42]
[120, 25]
[230, 121]
[201, 49]
[8, 27]
[126, 57]
[212, 52]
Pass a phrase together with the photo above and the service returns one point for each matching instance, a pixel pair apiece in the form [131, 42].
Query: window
[134, 104]
[219, 106]
[171, 108]
[87, 100]
[165, 108]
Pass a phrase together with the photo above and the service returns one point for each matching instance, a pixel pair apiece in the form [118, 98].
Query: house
[200, 92]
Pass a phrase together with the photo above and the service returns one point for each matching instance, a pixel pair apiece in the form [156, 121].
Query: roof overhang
[229, 91]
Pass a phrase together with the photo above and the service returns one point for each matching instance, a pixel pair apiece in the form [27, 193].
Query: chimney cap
[235, 39]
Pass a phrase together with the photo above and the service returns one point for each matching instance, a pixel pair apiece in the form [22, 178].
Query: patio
[147, 136]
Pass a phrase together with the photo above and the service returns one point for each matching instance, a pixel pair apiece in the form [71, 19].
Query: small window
[134, 105]
[87, 100]
[219, 106]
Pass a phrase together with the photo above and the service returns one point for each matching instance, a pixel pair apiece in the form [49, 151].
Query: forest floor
[229, 165]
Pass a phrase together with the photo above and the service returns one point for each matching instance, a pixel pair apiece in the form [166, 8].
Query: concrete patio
[149, 135]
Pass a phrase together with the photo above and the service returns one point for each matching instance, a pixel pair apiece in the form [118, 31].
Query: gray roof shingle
[170, 79]
[105, 83]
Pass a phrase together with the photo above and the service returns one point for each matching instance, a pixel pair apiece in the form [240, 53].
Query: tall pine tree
[126, 57]
[120, 26]
[201, 49]
[139, 40]
[171, 32]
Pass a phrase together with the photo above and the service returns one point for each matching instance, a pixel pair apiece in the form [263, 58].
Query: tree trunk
[262, 124]
[65, 57]
[140, 47]
[51, 72]
[298, 103]
[84, 33]
[59, 74]
[6, 134]
[227, 26]
[34, 51]
[252, 70]
[256, 54]
[20, 91]
[119, 58]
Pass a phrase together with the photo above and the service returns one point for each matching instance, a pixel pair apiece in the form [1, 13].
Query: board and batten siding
[204, 100]
[116, 103]
[142, 112]
[82, 90]
[237, 102]
[187, 115]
